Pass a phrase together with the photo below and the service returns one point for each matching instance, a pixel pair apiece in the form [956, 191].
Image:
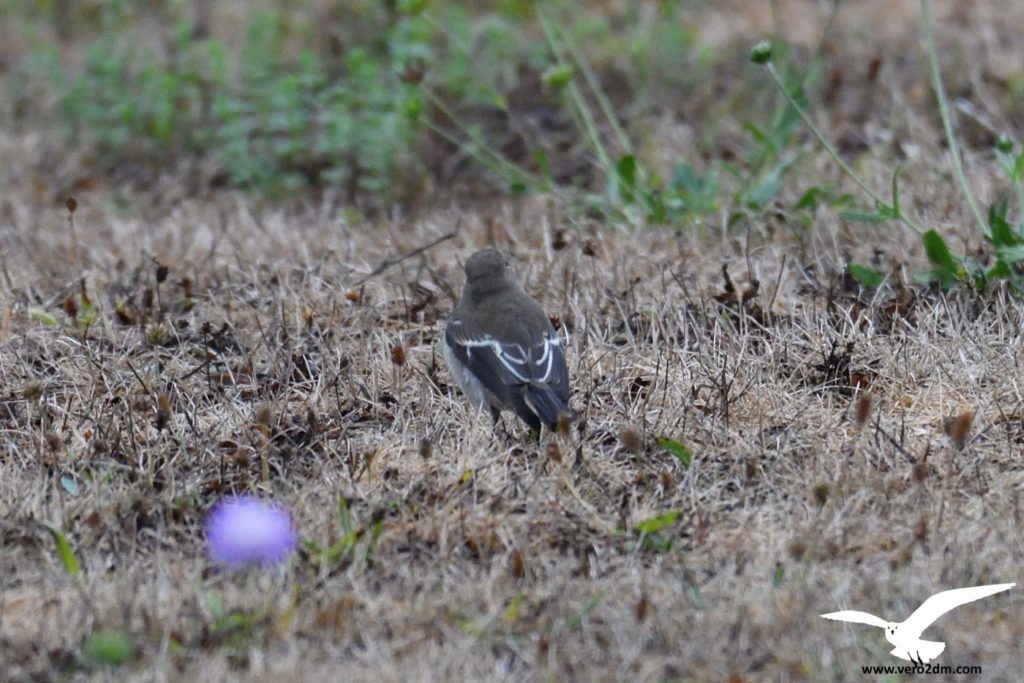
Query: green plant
[947, 268]
[109, 648]
[278, 121]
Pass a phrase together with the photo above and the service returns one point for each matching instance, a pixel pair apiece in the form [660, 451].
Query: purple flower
[245, 531]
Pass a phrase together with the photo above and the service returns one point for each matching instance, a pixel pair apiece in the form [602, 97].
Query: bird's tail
[546, 404]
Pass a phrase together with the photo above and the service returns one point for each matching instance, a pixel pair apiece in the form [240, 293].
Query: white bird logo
[906, 635]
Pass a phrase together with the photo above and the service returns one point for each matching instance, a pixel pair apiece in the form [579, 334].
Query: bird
[906, 635]
[501, 348]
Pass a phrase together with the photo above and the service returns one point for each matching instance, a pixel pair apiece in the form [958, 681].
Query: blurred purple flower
[245, 531]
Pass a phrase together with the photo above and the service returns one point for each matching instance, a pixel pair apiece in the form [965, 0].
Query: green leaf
[810, 199]
[1004, 143]
[627, 170]
[411, 7]
[762, 192]
[778, 576]
[1012, 254]
[869, 277]
[512, 610]
[87, 315]
[64, 551]
[677, 449]
[1002, 232]
[938, 253]
[999, 271]
[40, 315]
[109, 648]
[756, 133]
[557, 77]
[540, 158]
[658, 522]
[895, 208]
[863, 217]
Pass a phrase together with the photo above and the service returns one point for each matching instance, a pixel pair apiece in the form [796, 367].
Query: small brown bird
[502, 349]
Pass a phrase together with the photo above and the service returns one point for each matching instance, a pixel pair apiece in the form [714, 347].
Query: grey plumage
[501, 347]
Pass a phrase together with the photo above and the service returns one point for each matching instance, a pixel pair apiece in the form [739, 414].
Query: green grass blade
[677, 449]
[66, 554]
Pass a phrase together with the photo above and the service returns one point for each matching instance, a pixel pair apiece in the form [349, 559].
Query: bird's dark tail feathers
[546, 404]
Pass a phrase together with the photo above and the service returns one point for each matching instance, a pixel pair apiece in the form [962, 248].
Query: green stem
[585, 114]
[954, 151]
[480, 150]
[595, 88]
[577, 98]
[833, 153]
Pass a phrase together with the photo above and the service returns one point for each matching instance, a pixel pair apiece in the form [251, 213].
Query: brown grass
[256, 366]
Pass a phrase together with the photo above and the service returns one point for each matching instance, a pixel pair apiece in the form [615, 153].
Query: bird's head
[891, 628]
[489, 270]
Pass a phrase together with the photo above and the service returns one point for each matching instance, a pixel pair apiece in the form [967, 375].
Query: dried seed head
[921, 529]
[797, 549]
[71, 203]
[820, 492]
[32, 390]
[125, 313]
[161, 273]
[516, 566]
[560, 240]
[960, 427]
[53, 440]
[157, 334]
[863, 408]
[353, 296]
[631, 439]
[163, 411]
[426, 448]
[564, 422]
[398, 355]
[70, 307]
[554, 452]
[750, 468]
[264, 414]
[920, 471]
[643, 607]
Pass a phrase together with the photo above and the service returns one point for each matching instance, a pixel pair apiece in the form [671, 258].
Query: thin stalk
[577, 99]
[954, 150]
[595, 88]
[833, 153]
[585, 115]
[481, 151]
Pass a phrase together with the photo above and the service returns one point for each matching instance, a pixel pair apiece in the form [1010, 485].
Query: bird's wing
[500, 368]
[940, 603]
[540, 361]
[856, 617]
[549, 361]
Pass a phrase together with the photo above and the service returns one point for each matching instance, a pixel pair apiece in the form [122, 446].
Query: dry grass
[824, 476]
